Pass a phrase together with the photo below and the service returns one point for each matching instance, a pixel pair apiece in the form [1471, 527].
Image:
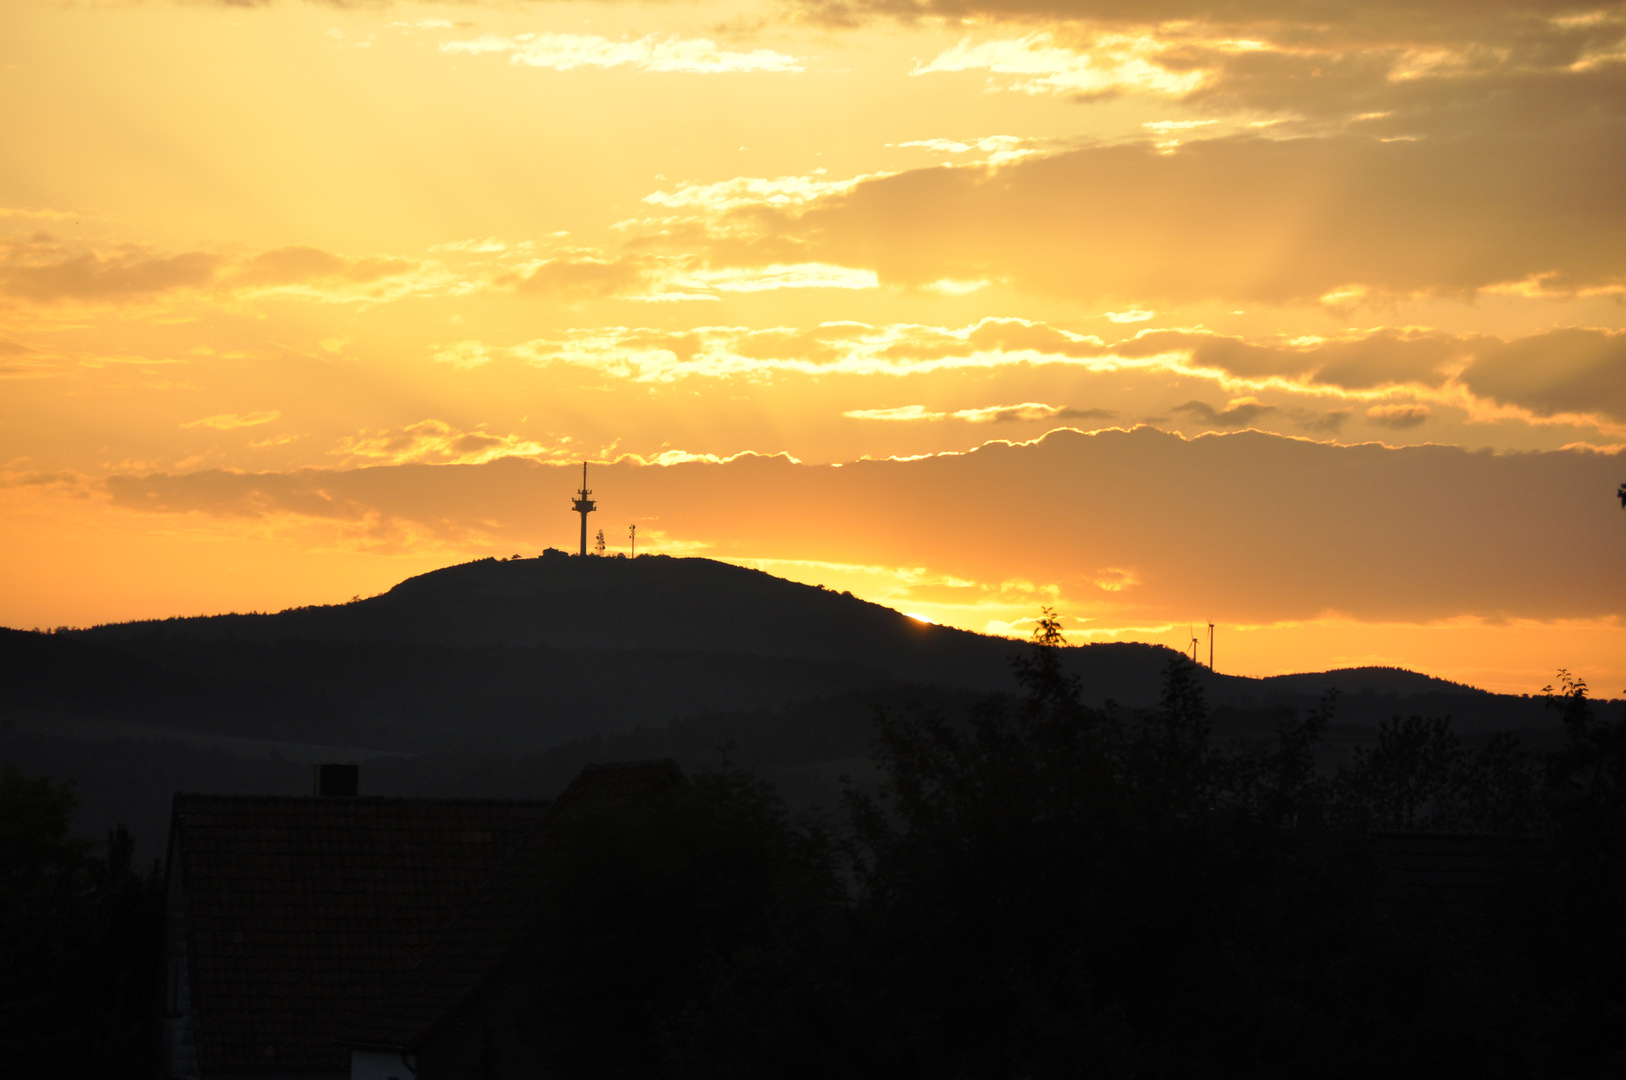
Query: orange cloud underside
[102, 565]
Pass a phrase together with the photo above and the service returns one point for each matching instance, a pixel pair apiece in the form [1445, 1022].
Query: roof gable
[304, 910]
[486, 931]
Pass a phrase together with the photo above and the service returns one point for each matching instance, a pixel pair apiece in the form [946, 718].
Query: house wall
[180, 1032]
[382, 1065]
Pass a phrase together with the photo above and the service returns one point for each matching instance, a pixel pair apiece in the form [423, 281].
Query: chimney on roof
[337, 781]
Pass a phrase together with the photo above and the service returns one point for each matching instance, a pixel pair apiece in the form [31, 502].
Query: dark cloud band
[1258, 526]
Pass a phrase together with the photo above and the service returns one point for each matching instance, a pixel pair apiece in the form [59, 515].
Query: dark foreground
[1037, 889]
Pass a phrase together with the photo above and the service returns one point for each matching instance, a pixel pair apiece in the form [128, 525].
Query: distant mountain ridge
[562, 601]
[653, 602]
[504, 677]
[701, 605]
[1378, 678]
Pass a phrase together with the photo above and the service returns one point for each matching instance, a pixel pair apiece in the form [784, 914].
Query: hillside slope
[657, 602]
[501, 677]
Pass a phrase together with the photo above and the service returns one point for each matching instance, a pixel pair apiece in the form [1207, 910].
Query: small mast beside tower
[584, 506]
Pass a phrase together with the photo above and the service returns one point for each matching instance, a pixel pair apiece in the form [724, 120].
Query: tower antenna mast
[1210, 646]
[584, 506]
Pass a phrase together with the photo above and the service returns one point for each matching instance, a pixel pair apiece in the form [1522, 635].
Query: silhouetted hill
[1358, 680]
[659, 603]
[653, 602]
[704, 606]
[503, 677]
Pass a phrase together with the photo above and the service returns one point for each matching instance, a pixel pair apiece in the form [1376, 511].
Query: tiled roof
[304, 910]
[486, 932]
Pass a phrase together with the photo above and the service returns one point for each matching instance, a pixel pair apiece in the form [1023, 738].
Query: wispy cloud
[567, 52]
[767, 278]
[231, 421]
[1037, 64]
[997, 148]
[1236, 414]
[435, 442]
[44, 269]
[1366, 371]
[754, 191]
[656, 355]
[1029, 411]
[902, 412]
[992, 414]
[464, 354]
[308, 265]
[1397, 416]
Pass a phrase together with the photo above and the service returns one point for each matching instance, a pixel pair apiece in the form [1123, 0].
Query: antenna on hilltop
[1210, 645]
[632, 535]
[584, 506]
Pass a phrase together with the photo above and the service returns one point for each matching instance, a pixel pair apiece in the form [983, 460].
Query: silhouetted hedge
[1053, 890]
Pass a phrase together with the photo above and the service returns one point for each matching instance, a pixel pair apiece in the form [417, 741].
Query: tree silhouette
[79, 941]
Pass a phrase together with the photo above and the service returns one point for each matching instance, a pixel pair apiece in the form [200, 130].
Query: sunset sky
[1303, 317]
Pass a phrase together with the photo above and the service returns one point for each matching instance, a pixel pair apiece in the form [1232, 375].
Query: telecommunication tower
[584, 506]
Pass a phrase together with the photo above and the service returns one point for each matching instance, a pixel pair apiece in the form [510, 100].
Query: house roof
[303, 910]
[495, 921]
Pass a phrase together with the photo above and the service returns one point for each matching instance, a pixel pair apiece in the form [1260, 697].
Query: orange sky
[1322, 306]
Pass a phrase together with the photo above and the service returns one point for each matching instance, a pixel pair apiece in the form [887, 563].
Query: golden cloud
[1236, 414]
[1398, 416]
[1363, 361]
[232, 421]
[1036, 64]
[902, 412]
[1244, 218]
[45, 270]
[308, 266]
[589, 274]
[1575, 370]
[1579, 373]
[1029, 411]
[578, 276]
[435, 442]
[653, 53]
[464, 354]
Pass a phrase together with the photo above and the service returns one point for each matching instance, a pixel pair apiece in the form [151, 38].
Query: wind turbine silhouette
[1192, 630]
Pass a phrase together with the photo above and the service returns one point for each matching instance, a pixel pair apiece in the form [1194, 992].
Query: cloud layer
[653, 53]
[1334, 220]
[1253, 526]
[42, 268]
[1577, 372]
